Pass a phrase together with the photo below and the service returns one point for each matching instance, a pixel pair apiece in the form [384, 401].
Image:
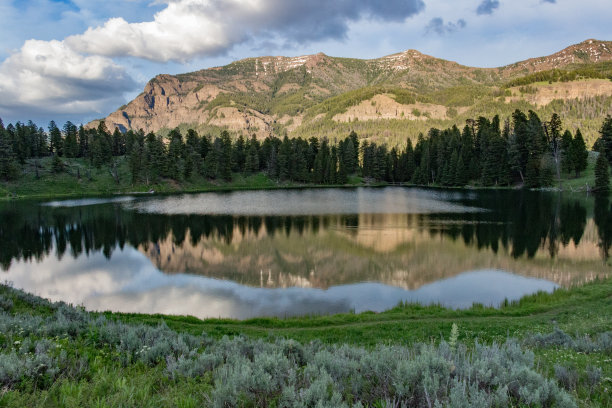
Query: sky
[80, 60]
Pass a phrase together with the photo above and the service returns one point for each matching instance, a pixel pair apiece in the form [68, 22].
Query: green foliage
[599, 70]
[602, 174]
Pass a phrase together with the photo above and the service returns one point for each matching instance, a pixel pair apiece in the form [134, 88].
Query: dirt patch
[383, 106]
[247, 122]
[546, 93]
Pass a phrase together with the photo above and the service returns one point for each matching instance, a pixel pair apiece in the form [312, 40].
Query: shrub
[6, 304]
[567, 376]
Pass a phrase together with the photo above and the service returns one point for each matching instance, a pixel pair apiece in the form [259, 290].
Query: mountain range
[391, 97]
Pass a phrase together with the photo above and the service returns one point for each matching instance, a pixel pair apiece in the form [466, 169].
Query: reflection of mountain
[402, 250]
[532, 234]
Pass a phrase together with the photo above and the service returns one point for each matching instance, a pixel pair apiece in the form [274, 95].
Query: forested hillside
[525, 150]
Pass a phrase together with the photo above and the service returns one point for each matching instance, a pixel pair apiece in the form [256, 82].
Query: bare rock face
[255, 95]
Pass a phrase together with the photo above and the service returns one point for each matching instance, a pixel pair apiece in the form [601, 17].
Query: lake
[301, 252]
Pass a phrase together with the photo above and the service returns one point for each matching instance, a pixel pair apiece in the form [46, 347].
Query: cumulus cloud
[190, 28]
[488, 6]
[549, 1]
[48, 76]
[438, 26]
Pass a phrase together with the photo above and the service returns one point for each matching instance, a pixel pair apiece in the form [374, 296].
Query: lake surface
[295, 252]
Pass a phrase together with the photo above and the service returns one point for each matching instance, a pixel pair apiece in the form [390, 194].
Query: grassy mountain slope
[390, 97]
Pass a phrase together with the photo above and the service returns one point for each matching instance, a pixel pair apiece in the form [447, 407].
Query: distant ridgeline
[522, 150]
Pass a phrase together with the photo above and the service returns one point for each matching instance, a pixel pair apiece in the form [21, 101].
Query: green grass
[586, 309]
[96, 182]
[107, 381]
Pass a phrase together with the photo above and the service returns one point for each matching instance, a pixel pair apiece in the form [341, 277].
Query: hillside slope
[313, 95]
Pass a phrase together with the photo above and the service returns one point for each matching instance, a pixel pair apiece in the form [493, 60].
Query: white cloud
[48, 76]
[190, 28]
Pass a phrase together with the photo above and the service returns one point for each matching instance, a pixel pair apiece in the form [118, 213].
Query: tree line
[524, 149]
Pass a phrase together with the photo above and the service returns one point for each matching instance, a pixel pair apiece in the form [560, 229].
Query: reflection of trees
[522, 221]
[603, 220]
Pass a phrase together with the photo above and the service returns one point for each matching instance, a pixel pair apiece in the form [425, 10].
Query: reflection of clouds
[88, 201]
[391, 200]
[130, 283]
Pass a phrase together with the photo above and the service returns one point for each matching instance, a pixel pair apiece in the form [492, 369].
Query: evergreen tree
[332, 166]
[284, 159]
[239, 155]
[532, 176]
[461, 172]
[300, 170]
[83, 142]
[71, 147]
[602, 173]
[55, 135]
[137, 157]
[225, 159]
[605, 141]
[155, 158]
[8, 164]
[210, 167]
[567, 162]
[252, 158]
[176, 152]
[451, 176]
[105, 141]
[118, 143]
[272, 159]
[578, 154]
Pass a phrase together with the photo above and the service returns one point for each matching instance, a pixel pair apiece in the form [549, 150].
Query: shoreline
[226, 189]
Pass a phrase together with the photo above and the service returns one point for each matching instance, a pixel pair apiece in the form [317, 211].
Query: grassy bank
[80, 179]
[55, 355]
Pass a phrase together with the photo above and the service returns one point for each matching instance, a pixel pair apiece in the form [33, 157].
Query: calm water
[295, 252]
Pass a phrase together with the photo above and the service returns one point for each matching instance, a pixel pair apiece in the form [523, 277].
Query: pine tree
[8, 164]
[239, 155]
[578, 154]
[605, 141]
[602, 173]
[137, 157]
[225, 160]
[461, 172]
[567, 162]
[532, 175]
[83, 142]
[211, 164]
[451, 177]
[55, 135]
[252, 158]
[176, 152]
[284, 157]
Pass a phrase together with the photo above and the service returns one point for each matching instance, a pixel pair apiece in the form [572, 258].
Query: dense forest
[522, 150]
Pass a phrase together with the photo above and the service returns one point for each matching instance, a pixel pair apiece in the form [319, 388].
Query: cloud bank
[49, 76]
[191, 28]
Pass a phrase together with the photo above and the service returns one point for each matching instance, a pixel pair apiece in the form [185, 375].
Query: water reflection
[320, 262]
[135, 285]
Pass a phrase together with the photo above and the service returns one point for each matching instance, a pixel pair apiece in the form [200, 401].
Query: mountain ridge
[276, 94]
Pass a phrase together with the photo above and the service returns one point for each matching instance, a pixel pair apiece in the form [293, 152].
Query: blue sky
[81, 59]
